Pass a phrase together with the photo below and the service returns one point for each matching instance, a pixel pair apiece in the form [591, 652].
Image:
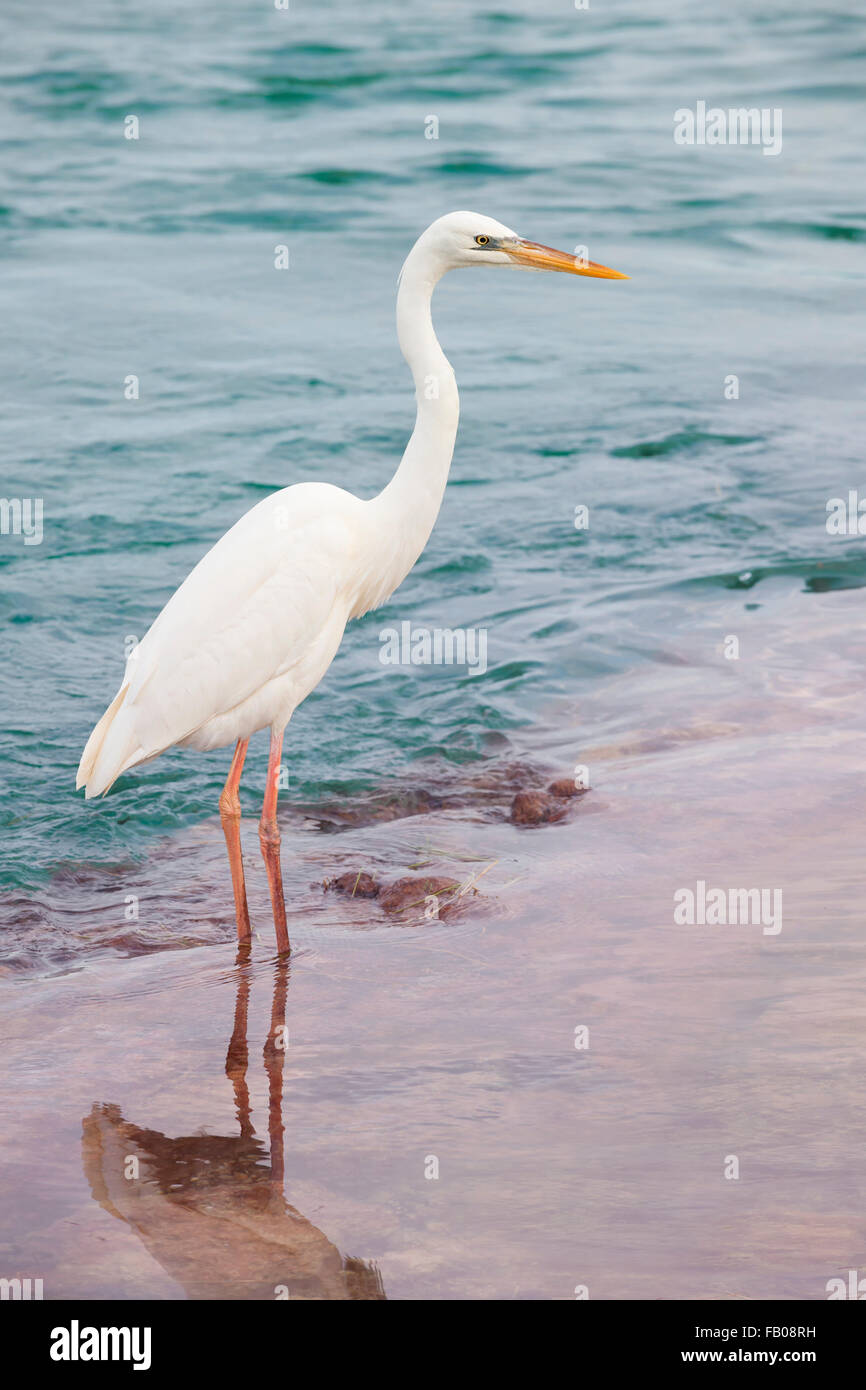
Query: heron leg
[230, 815]
[269, 839]
[275, 1057]
[238, 1054]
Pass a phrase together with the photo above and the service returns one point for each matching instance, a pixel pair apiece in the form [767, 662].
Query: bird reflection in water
[210, 1208]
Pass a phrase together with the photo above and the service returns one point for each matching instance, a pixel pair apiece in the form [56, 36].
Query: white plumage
[257, 623]
[245, 638]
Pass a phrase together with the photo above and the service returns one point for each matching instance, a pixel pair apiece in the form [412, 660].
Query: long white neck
[405, 512]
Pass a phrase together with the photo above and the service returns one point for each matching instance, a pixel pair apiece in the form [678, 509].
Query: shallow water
[305, 1169]
[412, 1039]
[155, 258]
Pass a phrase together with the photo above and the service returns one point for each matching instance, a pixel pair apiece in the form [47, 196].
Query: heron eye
[482, 240]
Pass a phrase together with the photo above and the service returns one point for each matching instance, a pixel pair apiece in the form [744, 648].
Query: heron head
[468, 238]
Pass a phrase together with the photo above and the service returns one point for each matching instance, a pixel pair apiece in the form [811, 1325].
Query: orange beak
[532, 254]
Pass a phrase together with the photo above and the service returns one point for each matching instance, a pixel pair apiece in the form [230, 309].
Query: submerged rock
[356, 884]
[564, 787]
[539, 808]
[370, 809]
[536, 808]
[415, 892]
[410, 894]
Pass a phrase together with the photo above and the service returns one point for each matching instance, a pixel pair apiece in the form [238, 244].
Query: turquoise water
[155, 258]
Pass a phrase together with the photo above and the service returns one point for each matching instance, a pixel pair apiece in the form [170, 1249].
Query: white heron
[255, 626]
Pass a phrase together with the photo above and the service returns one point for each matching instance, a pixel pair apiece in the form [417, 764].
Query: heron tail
[111, 749]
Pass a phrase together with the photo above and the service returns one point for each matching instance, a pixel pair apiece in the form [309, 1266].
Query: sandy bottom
[430, 1129]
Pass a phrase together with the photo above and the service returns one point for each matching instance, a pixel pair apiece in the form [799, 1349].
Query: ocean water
[155, 257]
[699, 647]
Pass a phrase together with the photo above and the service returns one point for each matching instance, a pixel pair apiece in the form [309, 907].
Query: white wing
[249, 612]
